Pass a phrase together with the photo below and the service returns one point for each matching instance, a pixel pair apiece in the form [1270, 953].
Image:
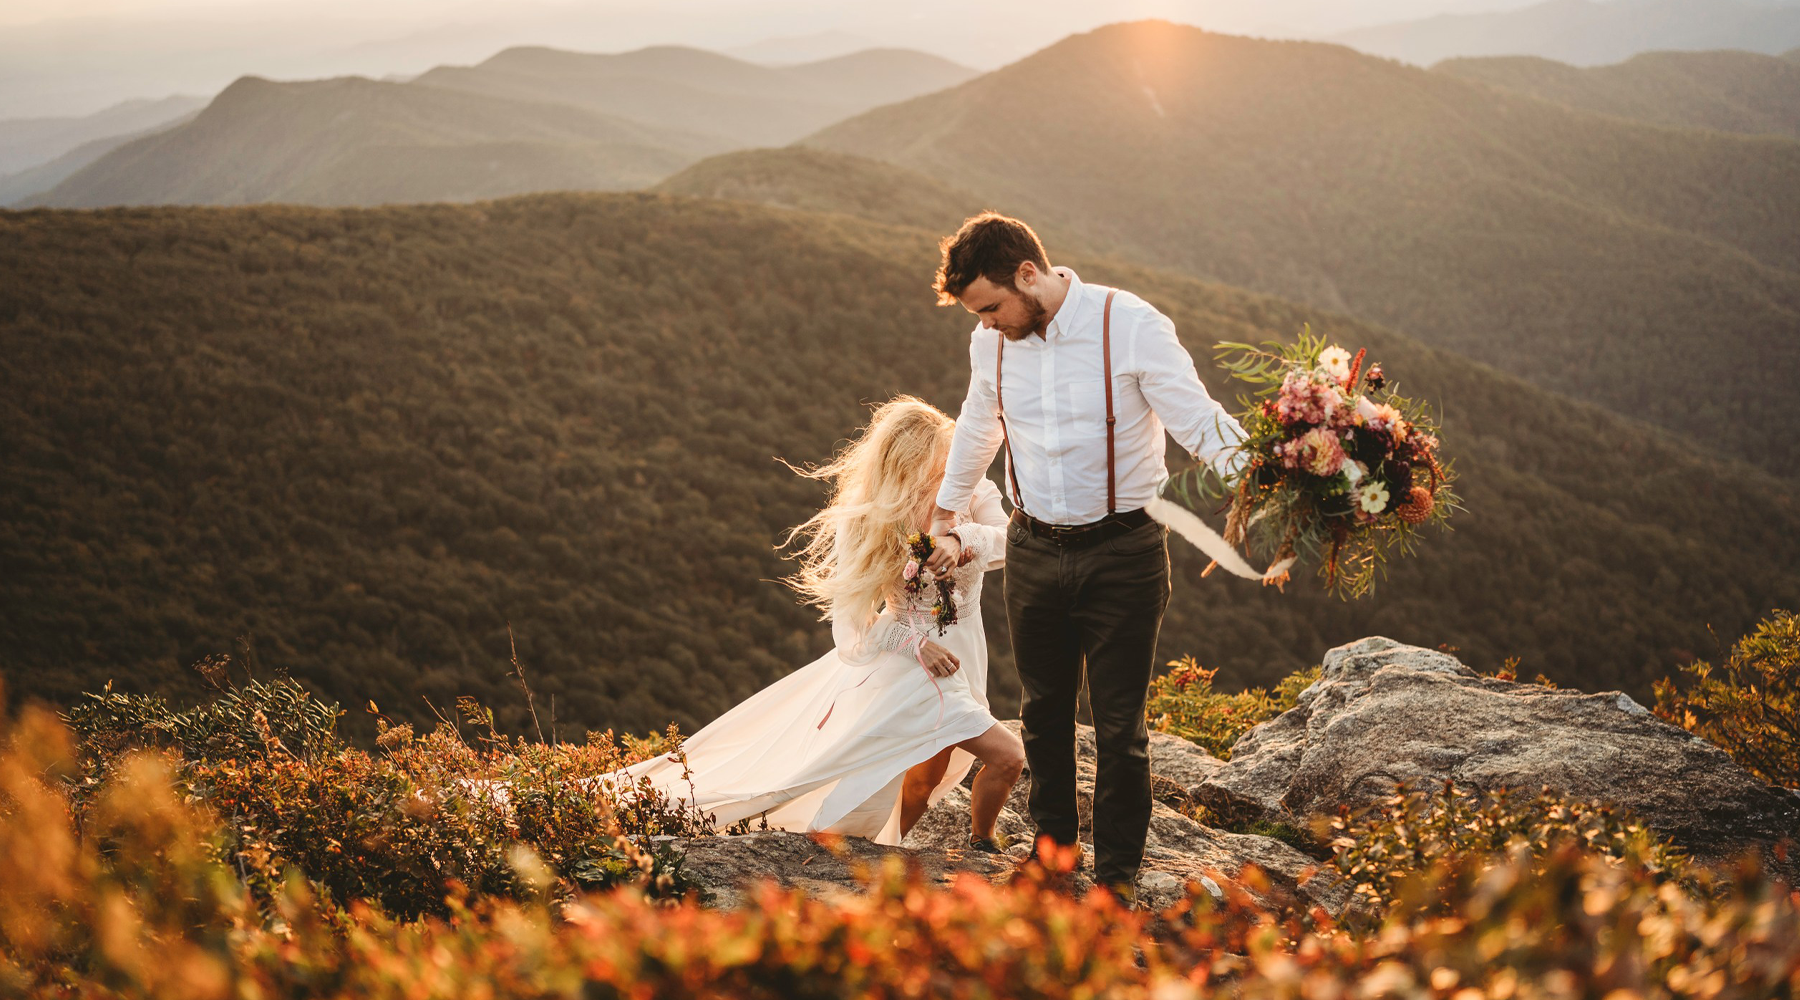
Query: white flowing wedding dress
[826, 747]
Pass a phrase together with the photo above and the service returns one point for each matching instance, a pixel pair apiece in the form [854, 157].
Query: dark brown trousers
[1102, 604]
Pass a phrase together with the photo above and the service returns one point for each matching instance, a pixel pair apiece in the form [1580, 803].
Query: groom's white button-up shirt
[1055, 401]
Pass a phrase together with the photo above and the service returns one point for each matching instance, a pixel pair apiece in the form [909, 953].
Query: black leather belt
[1075, 536]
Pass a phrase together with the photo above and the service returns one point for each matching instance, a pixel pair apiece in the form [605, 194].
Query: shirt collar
[1071, 305]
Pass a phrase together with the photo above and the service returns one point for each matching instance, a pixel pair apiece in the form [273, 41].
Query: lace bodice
[900, 628]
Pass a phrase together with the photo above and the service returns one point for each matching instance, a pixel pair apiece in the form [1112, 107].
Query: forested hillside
[1729, 91]
[823, 181]
[370, 439]
[1493, 224]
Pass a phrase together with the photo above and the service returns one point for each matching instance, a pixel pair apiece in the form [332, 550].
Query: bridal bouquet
[915, 578]
[1338, 468]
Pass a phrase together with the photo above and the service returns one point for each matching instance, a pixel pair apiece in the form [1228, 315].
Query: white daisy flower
[1335, 360]
[1372, 496]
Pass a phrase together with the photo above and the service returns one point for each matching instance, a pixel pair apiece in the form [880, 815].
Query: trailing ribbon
[1184, 523]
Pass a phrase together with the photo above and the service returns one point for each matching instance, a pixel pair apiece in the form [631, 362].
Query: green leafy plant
[1183, 702]
[253, 719]
[135, 900]
[407, 826]
[1750, 704]
[1385, 850]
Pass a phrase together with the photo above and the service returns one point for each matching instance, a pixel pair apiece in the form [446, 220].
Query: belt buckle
[1065, 532]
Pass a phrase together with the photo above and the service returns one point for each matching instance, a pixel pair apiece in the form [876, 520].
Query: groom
[1077, 383]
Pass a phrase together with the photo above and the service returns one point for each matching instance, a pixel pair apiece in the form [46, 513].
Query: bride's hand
[938, 661]
[945, 555]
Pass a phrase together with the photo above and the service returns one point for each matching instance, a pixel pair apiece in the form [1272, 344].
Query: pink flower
[1324, 452]
[1318, 451]
[1306, 399]
[911, 570]
[1339, 413]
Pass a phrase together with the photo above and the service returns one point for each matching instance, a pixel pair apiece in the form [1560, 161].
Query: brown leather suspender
[1112, 495]
[1000, 411]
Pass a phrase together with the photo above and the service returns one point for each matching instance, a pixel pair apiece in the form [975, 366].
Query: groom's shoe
[1045, 843]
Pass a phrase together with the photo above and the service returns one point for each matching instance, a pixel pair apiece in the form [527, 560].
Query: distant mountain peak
[1584, 32]
[791, 50]
[1726, 91]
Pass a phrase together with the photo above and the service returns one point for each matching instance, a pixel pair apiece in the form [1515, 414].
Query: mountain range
[356, 141]
[1729, 91]
[375, 442]
[706, 92]
[1587, 32]
[528, 119]
[28, 142]
[1490, 223]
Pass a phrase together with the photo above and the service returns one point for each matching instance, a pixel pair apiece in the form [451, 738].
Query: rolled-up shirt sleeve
[977, 439]
[1172, 386]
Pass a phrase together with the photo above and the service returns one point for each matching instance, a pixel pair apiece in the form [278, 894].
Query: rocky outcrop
[1385, 714]
[726, 868]
[1180, 851]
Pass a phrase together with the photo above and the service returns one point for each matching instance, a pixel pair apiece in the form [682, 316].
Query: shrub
[1183, 702]
[238, 722]
[1749, 706]
[136, 903]
[1565, 923]
[404, 827]
[1386, 850]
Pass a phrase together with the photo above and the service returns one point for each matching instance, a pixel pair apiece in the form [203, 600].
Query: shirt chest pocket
[1087, 401]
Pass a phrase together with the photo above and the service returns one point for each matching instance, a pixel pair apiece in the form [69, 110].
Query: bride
[864, 739]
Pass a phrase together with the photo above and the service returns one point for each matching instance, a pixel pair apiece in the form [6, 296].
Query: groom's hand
[946, 553]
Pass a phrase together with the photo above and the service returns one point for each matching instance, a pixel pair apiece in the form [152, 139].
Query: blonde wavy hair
[883, 488]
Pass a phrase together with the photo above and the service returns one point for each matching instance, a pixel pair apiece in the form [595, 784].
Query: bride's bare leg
[915, 791]
[1002, 758]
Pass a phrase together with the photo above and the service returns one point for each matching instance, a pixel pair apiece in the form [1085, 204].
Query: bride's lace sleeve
[886, 634]
[985, 530]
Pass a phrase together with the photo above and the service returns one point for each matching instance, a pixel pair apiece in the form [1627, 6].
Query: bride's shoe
[985, 845]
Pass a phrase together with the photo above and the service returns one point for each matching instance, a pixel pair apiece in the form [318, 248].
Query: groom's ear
[1028, 272]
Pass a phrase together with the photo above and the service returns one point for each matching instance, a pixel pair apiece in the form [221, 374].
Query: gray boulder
[1178, 851]
[1384, 714]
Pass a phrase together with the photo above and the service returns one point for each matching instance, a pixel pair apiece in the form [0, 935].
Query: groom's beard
[1037, 320]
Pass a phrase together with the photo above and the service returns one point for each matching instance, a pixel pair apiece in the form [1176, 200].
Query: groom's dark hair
[991, 246]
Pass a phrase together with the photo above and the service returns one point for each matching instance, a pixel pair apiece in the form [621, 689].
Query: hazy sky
[61, 57]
